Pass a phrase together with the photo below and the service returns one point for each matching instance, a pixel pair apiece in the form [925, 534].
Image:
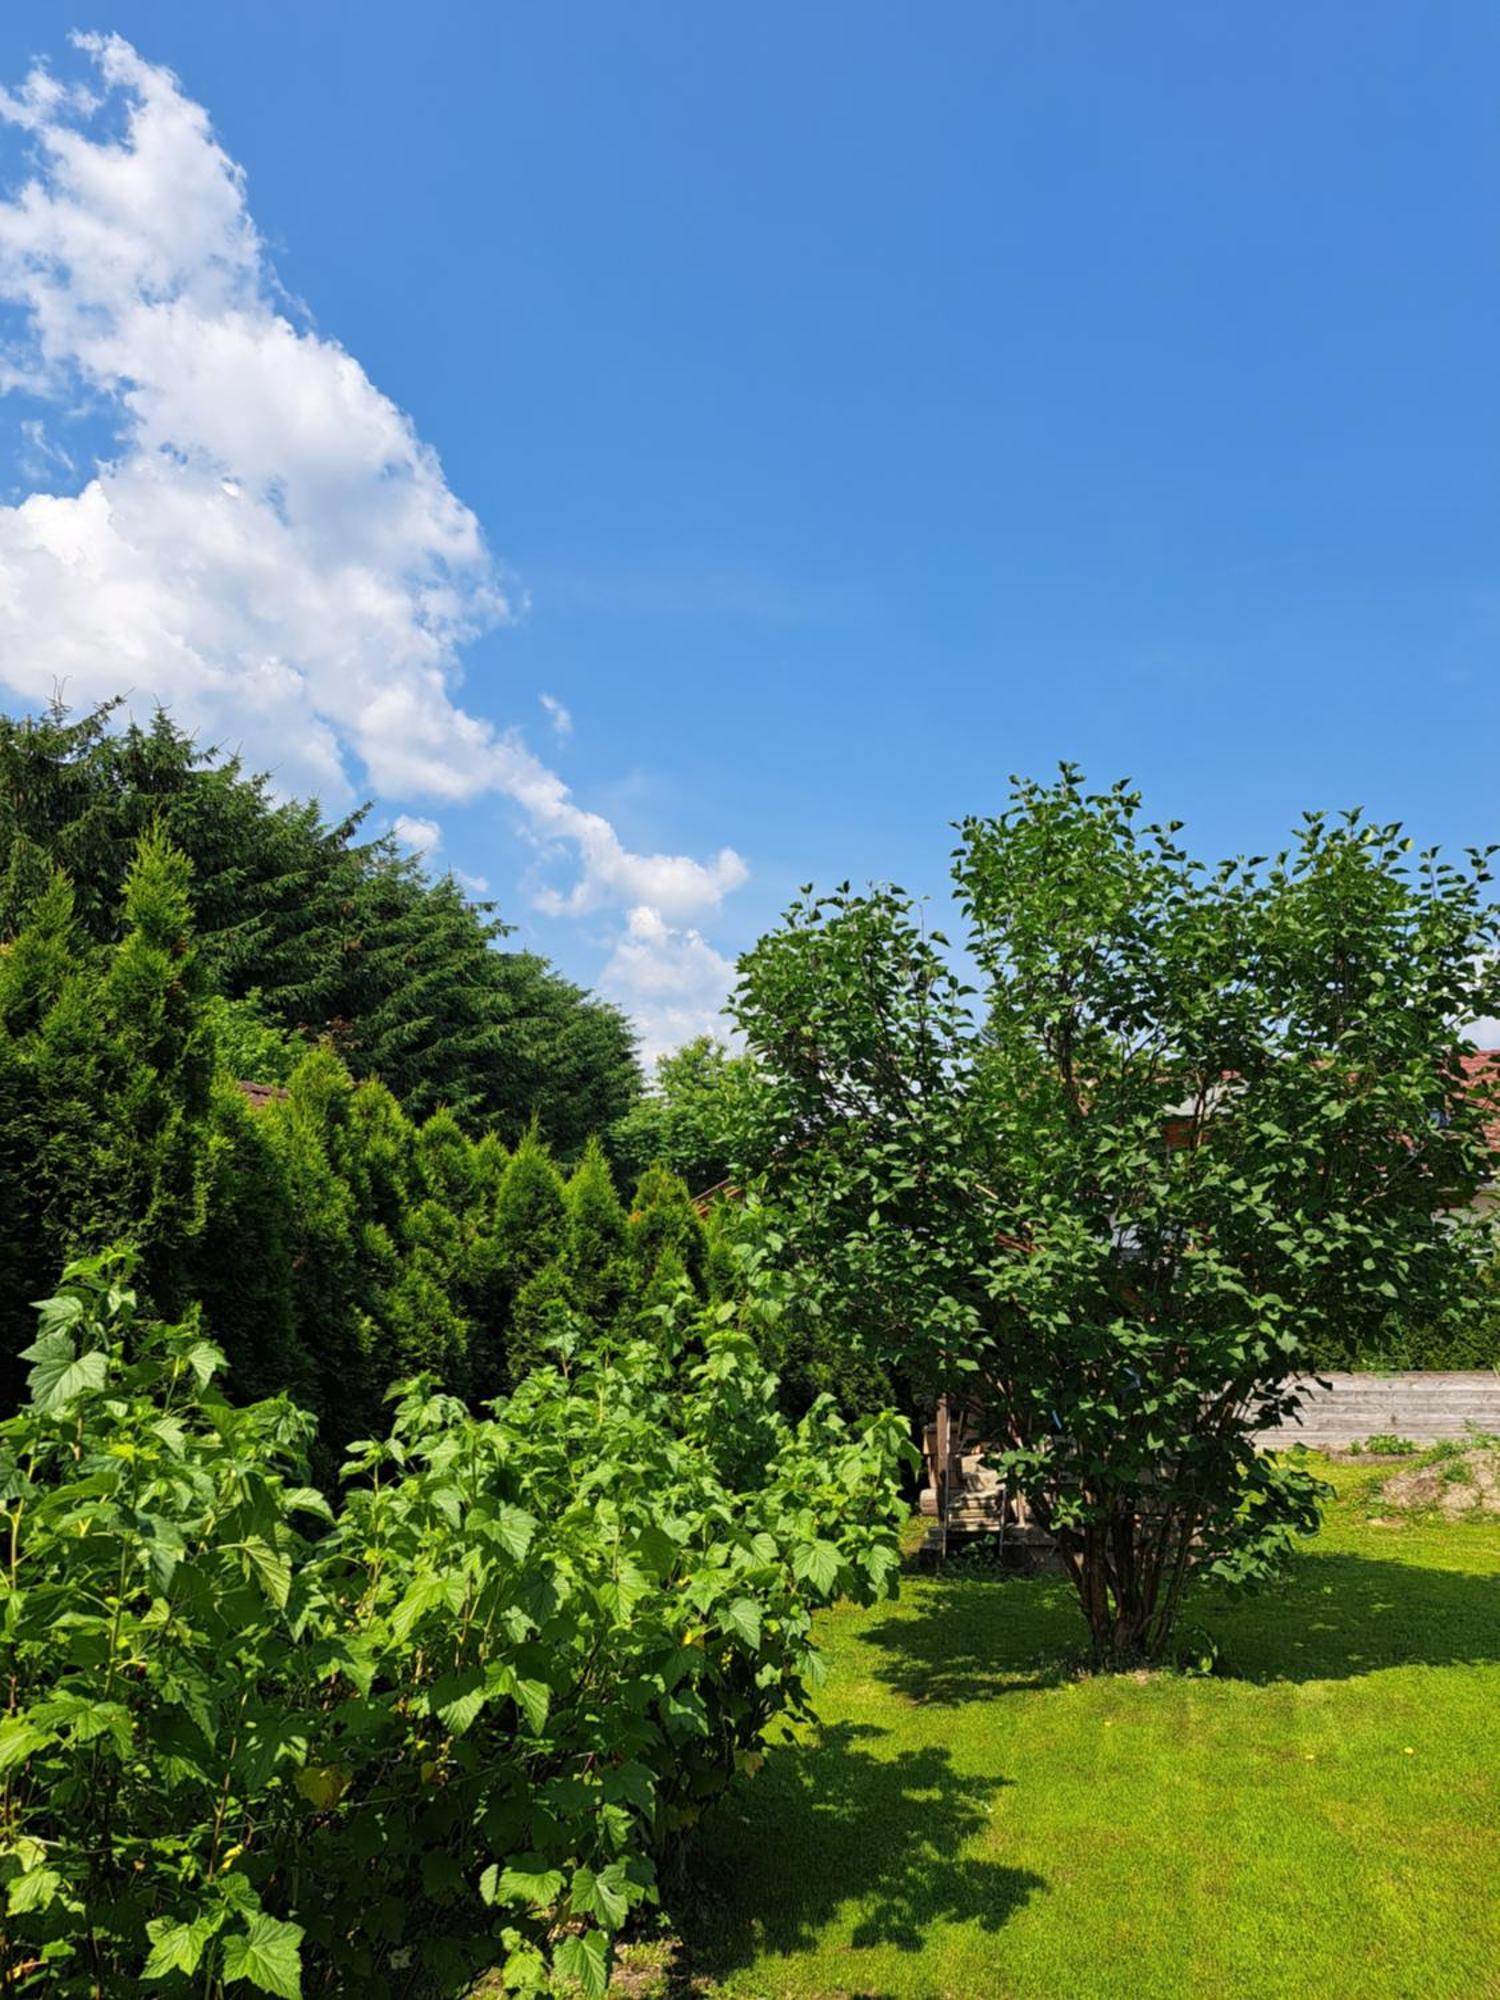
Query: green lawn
[1322, 1819]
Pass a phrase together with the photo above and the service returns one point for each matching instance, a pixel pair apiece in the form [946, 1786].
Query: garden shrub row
[456, 1721]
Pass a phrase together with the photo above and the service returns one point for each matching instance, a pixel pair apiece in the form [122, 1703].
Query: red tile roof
[1482, 1078]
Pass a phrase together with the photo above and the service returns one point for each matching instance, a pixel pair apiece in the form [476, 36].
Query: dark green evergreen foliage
[330, 1241]
[531, 1214]
[334, 1230]
[326, 934]
[303, 1227]
[335, 1324]
[662, 1217]
[105, 1086]
[567, 1060]
[392, 1251]
[147, 1037]
[273, 884]
[544, 1322]
[596, 1237]
[247, 1269]
[666, 1286]
[445, 1164]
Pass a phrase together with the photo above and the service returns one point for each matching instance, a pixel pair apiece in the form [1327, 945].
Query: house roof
[1482, 1082]
[259, 1094]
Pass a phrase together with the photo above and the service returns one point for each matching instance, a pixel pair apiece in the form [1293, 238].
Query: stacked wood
[963, 1496]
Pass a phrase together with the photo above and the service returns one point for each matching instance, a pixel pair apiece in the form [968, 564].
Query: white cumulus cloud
[422, 836]
[670, 981]
[265, 545]
[562, 718]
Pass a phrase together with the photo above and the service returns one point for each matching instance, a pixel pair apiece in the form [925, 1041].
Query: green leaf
[423, 1596]
[527, 1879]
[86, 1720]
[584, 1959]
[205, 1360]
[32, 1891]
[271, 1569]
[743, 1619]
[457, 1699]
[441, 1875]
[631, 1781]
[56, 1316]
[60, 1374]
[818, 1563]
[606, 1895]
[514, 1530]
[266, 1954]
[18, 1740]
[171, 1433]
[178, 1947]
[534, 1699]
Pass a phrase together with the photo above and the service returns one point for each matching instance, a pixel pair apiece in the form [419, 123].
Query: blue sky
[859, 404]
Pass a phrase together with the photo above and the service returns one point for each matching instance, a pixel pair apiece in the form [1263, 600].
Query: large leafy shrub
[1198, 1127]
[248, 1743]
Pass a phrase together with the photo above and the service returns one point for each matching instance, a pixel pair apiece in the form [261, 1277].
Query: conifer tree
[666, 1285]
[248, 1268]
[445, 1160]
[488, 1161]
[662, 1217]
[107, 1082]
[34, 968]
[339, 935]
[123, 1062]
[531, 1217]
[596, 1237]
[544, 1322]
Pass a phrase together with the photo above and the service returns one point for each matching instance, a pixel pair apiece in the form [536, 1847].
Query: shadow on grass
[1340, 1615]
[1335, 1616]
[832, 1823]
[975, 1637]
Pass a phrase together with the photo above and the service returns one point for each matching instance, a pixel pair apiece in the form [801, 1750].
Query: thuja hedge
[334, 1242]
[453, 1722]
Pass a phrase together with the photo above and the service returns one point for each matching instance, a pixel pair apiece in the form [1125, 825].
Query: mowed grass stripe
[969, 1821]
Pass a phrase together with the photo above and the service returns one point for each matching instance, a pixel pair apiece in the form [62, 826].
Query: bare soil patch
[1466, 1482]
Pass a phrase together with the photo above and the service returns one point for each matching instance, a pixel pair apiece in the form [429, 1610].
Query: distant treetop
[327, 934]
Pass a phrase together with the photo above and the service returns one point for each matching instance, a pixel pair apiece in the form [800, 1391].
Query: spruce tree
[340, 936]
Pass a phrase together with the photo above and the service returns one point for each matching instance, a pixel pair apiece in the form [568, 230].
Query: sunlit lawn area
[1322, 1818]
